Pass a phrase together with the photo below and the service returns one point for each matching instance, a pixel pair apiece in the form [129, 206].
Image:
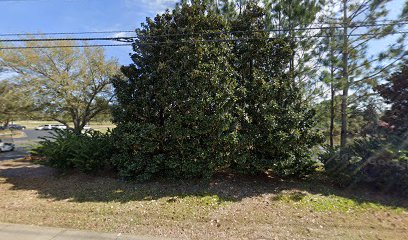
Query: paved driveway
[19, 152]
[23, 232]
[32, 136]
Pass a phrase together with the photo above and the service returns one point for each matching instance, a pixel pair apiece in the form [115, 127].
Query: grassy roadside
[225, 208]
[9, 134]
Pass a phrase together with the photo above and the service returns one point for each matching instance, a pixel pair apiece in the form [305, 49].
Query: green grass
[330, 203]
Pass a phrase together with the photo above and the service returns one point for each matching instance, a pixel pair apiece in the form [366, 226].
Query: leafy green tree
[276, 125]
[175, 107]
[196, 100]
[395, 93]
[15, 100]
[371, 116]
[65, 82]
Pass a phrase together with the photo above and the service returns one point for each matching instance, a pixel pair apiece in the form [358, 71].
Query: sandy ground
[228, 207]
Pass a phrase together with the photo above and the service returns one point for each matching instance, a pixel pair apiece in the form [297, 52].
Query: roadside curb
[23, 232]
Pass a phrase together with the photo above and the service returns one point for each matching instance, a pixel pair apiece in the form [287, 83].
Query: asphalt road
[19, 152]
[34, 135]
[22, 144]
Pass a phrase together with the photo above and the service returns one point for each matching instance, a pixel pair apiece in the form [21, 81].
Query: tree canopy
[15, 100]
[194, 103]
[395, 93]
[68, 84]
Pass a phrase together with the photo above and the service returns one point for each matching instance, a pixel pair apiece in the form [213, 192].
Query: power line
[321, 27]
[132, 39]
[159, 43]
[119, 39]
[65, 33]
[66, 46]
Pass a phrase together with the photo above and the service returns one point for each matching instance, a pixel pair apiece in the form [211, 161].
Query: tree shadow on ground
[77, 187]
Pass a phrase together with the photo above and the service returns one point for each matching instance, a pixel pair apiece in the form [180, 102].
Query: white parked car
[60, 126]
[86, 128]
[44, 127]
[51, 127]
[6, 147]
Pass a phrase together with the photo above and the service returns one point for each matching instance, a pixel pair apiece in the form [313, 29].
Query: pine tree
[328, 52]
[356, 62]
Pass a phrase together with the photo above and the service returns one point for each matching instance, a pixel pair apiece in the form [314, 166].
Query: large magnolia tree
[68, 84]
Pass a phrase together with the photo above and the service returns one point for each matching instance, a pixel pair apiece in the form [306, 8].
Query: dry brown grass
[228, 207]
[14, 133]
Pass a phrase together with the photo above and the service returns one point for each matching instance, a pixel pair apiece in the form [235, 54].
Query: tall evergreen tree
[359, 25]
[276, 126]
[175, 105]
[206, 92]
[329, 51]
[296, 19]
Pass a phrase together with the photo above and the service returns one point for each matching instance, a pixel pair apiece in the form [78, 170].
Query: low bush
[372, 162]
[88, 152]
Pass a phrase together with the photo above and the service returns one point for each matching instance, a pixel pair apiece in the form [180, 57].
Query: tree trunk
[6, 122]
[343, 141]
[77, 125]
[332, 107]
[331, 90]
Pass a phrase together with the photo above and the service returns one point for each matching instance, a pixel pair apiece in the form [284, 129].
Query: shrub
[372, 162]
[87, 152]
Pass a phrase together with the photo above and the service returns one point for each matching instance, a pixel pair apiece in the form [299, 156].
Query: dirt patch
[228, 207]
[24, 169]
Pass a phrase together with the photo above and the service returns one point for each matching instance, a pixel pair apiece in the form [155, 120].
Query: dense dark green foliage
[88, 152]
[194, 102]
[395, 92]
[188, 109]
[276, 127]
[174, 114]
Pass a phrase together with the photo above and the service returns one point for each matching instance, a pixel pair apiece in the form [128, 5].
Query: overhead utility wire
[65, 33]
[132, 39]
[119, 39]
[66, 46]
[152, 43]
[395, 22]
